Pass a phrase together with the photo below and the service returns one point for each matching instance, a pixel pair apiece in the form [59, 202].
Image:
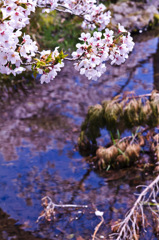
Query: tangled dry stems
[135, 219]
[130, 226]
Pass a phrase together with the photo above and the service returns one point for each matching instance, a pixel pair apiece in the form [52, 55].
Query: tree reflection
[156, 68]
[9, 229]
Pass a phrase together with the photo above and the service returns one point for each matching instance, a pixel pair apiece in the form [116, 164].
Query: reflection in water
[9, 229]
[39, 129]
[156, 68]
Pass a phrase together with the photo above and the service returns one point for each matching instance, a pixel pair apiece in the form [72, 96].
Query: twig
[49, 210]
[64, 9]
[50, 64]
[97, 228]
[71, 59]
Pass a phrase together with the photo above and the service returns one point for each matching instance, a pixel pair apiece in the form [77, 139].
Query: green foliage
[92, 124]
[55, 29]
[61, 56]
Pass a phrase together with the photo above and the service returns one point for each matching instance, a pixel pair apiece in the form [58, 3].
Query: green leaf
[1, 15]
[40, 64]
[46, 70]
[33, 67]
[117, 37]
[122, 153]
[49, 58]
[58, 59]
[112, 137]
[62, 55]
[34, 73]
[24, 5]
[36, 59]
[7, 18]
[118, 134]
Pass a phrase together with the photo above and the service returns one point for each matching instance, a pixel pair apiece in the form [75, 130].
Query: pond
[39, 129]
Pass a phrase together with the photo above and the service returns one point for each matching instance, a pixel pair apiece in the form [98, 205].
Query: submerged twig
[97, 227]
[49, 208]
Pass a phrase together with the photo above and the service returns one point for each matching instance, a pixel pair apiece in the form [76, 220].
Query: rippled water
[39, 128]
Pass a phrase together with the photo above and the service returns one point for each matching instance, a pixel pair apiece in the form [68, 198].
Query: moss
[119, 115]
[92, 124]
[138, 114]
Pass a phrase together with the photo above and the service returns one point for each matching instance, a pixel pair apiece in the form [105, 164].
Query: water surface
[39, 128]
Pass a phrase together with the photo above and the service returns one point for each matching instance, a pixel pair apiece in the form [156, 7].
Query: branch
[135, 97]
[61, 8]
[97, 228]
[48, 65]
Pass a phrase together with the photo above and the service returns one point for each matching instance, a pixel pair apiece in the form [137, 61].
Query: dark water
[39, 128]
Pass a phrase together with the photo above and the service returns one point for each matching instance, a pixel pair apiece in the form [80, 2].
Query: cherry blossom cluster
[13, 17]
[97, 16]
[49, 64]
[18, 50]
[93, 15]
[52, 4]
[96, 50]
[79, 7]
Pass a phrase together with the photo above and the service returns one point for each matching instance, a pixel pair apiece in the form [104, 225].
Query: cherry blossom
[96, 50]
[18, 50]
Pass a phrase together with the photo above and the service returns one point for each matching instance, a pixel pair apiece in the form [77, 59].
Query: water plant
[140, 114]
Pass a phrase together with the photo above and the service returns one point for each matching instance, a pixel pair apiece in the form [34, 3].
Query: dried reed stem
[97, 228]
[128, 228]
